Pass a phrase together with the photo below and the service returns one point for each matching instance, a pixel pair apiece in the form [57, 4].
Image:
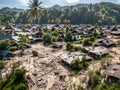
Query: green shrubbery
[79, 64]
[95, 82]
[17, 81]
[104, 86]
[69, 46]
[12, 49]
[88, 41]
[72, 48]
[35, 53]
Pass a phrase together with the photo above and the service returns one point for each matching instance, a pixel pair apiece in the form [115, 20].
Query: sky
[23, 4]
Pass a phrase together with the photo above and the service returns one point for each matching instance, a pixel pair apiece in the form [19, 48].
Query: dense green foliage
[68, 33]
[23, 40]
[5, 44]
[69, 46]
[17, 81]
[7, 14]
[104, 86]
[47, 38]
[88, 41]
[80, 63]
[102, 13]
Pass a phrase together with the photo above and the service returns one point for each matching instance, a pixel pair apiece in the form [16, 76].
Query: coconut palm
[35, 10]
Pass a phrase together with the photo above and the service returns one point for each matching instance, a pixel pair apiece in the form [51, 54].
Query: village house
[69, 58]
[116, 33]
[106, 42]
[8, 30]
[112, 74]
[96, 52]
[77, 34]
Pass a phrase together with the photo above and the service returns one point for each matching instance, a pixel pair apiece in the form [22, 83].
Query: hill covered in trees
[101, 13]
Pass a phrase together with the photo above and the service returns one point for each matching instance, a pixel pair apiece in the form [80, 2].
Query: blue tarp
[5, 37]
[5, 53]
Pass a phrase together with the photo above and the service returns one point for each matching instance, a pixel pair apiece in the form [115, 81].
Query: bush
[35, 53]
[79, 64]
[47, 38]
[77, 48]
[98, 36]
[92, 39]
[87, 42]
[16, 81]
[12, 49]
[54, 39]
[21, 86]
[69, 46]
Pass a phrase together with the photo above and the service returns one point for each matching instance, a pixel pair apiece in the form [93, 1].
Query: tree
[5, 44]
[34, 10]
[55, 33]
[16, 81]
[86, 42]
[23, 41]
[68, 33]
[79, 63]
[47, 38]
[69, 46]
[92, 39]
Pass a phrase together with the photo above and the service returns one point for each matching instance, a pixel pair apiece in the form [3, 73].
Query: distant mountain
[65, 7]
[101, 13]
[12, 9]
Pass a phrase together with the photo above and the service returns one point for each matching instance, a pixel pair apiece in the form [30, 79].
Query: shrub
[12, 49]
[47, 38]
[69, 46]
[86, 42]
[35, 53]
[54, 39]
[19, 75]
[21, 86]
[77, 48]
[92, 39]
[16, 81]
[79, 64]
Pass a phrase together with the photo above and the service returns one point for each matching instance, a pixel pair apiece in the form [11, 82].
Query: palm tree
[35, 10]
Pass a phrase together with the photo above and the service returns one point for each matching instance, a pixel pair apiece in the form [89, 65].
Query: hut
[96, 52]
[112, 74]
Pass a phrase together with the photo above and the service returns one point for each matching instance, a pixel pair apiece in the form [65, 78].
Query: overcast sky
[48, 3]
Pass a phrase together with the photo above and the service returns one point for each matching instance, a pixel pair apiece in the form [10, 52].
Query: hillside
[101, 13]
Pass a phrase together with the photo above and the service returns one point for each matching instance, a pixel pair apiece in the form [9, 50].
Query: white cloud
[24, 2]
[72, 1]
[118, 1]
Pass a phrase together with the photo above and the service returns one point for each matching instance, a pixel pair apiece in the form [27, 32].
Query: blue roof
[4, 53]
[5, 37]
